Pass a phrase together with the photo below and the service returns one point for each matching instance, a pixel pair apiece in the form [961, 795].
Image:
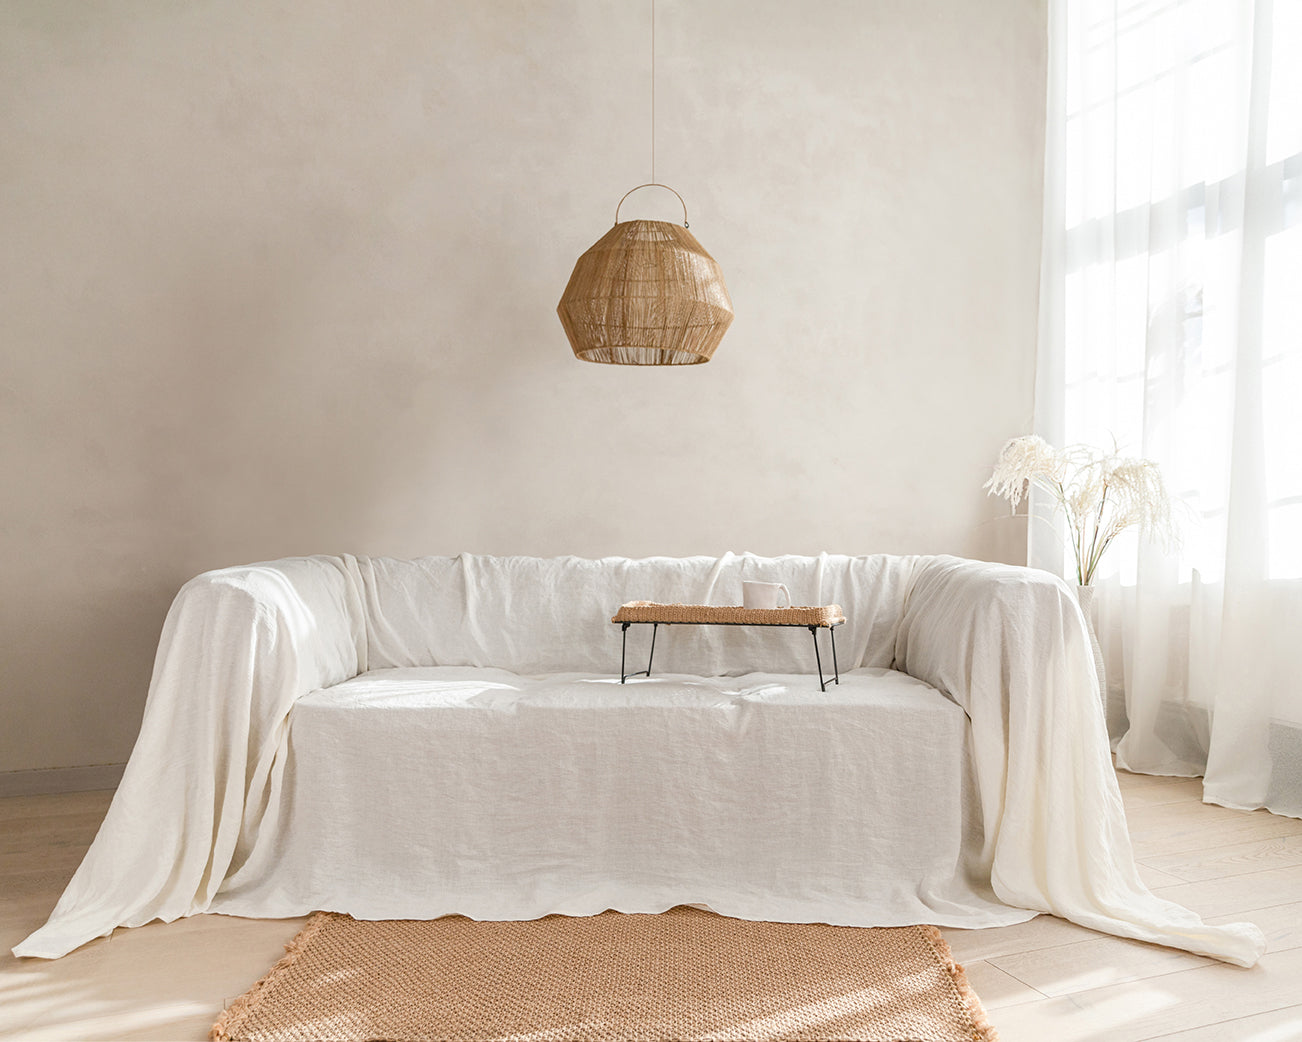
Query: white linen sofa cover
[210, 812]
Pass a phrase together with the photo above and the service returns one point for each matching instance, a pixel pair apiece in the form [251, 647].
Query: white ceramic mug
[763, 595]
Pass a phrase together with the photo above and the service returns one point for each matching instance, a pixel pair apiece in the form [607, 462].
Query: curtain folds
[1171, 322]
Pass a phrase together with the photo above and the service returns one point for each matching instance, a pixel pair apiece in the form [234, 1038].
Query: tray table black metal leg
[831, 632]
[822, 686]
[655, 626]
[623, 653]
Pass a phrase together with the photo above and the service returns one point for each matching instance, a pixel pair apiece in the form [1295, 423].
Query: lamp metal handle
[651, 184]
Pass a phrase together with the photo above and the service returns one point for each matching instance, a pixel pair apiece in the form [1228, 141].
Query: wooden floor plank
[1145, 790]
[1202, 815]
[1142, 1009]
[1095, 963]
[1191, 834]
[197, 966]
[1154, 878]
[1044, 931]
[1282, 925]
[56, 857]
[20, 808]
[39, 883]
[163, 1023]
[1235, 895]
[1179, 790]
[1129, 780]
[1233, 860]
[86, 824]
[1280, 1025]
[997, 988]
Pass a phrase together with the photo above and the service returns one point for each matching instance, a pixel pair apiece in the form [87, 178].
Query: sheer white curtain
[1172, 321]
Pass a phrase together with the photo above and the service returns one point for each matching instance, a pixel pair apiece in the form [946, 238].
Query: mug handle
[783, 588]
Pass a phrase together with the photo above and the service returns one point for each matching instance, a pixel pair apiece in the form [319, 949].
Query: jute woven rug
[683, 974]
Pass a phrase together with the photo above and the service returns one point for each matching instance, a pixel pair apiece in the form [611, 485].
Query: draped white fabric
[1171, 320]
[268, 781]
[426, 791]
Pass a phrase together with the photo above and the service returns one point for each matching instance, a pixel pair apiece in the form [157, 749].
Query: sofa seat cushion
[425, 791]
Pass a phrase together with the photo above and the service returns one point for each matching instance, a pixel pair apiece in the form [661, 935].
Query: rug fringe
[239, 1009]
[982, 1029]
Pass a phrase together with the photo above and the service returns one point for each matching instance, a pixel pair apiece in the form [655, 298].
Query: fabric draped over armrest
[1010, 646]
[238, 647]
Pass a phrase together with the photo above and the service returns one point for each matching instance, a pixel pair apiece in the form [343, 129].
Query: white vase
[1085, 598]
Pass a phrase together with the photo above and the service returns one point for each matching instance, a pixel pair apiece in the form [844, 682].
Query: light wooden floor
[1042, 981]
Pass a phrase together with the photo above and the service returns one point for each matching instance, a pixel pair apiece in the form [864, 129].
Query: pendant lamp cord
[653, 91]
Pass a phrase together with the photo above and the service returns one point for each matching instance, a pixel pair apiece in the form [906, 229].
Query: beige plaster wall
[280, 278]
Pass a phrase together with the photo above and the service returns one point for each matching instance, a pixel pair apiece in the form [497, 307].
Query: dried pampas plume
[1101, 493]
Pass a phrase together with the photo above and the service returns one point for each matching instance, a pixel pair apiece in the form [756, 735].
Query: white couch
[410, 739]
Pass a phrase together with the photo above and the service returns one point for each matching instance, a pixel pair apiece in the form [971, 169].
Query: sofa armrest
[239, 647]
[1010, 646]
[1001, 641]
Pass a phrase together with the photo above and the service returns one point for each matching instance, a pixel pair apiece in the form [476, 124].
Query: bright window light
[1183, 285]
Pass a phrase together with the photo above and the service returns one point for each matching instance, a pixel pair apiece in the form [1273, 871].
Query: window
[1182, 261]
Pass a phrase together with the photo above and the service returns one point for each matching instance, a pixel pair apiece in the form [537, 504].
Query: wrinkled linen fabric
[533, 615]
[421, 792]
[239, 647]
[1010, 646]
[205, 817]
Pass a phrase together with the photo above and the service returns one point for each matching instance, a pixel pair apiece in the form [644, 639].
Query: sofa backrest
[547, 615]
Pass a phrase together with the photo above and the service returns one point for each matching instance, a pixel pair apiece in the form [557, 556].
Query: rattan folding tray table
[828, 617]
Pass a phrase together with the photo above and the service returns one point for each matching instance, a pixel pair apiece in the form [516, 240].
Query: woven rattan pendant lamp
[646, 292]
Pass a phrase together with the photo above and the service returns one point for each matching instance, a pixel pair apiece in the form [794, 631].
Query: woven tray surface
[650, 611]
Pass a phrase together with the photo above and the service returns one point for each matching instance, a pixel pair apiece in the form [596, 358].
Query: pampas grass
[1100, 493]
